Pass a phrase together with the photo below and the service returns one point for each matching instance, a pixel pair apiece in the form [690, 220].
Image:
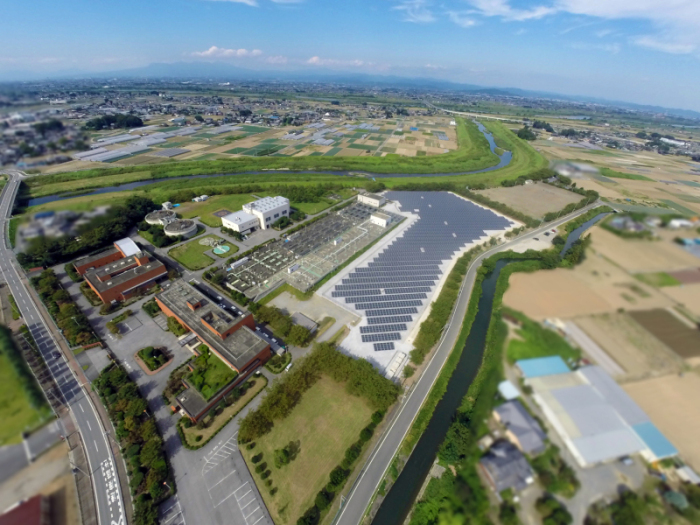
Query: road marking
[88, 424]
[222, 479]
[251, 501]
[239, 488]
[261, 517]
[97, 449]
[227, 497]
[249, 515]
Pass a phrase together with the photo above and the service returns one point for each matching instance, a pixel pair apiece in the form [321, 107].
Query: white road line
[97, 449]
[244, 495]
[222, 479]
[251, 501]
[261, 517]
[246, 517]
[88, 424]
[239, 488]
[227, 497]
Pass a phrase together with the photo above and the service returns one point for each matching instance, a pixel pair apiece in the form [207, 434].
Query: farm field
[191, 254]
[534, 200]
[678, 336]
[688, 295]
[595, 286]
[325, 423]
[630, 345]
[671, 402]
[15, 411]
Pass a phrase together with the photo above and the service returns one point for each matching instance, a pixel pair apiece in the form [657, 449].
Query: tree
[199, 118]
[527, 134]
[298, 335]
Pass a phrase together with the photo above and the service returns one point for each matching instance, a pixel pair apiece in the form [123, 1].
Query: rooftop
[528, 431]
[507, 467]
[179, 225]
[238, 348]
[96, 257]
[542, 366]
[373, 196]
[267, 203]
[100, 279]
[240, 217]
[127, 246]
[306, 322]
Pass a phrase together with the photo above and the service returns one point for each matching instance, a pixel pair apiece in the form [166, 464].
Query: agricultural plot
[534, 200]
[678, 336]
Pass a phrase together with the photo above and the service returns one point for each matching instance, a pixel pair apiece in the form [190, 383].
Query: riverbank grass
[325, 423]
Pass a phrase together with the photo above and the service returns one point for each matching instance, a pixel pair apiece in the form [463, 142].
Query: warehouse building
[371, 199]
[594, 416]
[380, 219]
[230, 335]
[122, 248]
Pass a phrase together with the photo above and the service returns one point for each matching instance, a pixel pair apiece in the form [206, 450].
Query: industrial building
[240, 221]
[380, 219]
[371, 199]
[261, 213]
[594, 416]
[268, 210]
[229, 334]
[181, 228]
[123, 276]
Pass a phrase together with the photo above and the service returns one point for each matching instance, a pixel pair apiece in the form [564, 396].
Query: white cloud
[416, 11]
[278, 59]
[461, 19]
[667, 46]
[502, 9]
[251, 3]
[434, 67]
[318, 61]
[220, 52]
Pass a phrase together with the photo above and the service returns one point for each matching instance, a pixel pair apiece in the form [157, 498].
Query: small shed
[542, 366]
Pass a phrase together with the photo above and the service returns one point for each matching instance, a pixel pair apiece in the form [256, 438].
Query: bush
[175, 327]
[257, 458]
[198, 438]
[408, 371]
[323, 500]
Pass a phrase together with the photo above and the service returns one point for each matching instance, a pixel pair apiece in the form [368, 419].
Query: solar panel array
[398, 281]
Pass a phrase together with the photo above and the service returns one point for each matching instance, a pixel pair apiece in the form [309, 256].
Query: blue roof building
[542, 366]
[655, 441]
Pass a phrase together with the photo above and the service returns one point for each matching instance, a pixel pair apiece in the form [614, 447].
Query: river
[503, 160]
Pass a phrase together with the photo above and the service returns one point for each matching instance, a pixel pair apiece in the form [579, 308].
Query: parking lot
[233, 495]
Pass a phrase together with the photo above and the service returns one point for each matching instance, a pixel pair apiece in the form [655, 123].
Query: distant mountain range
[224, 72]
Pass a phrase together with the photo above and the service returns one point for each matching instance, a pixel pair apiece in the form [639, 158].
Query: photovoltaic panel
[390, 319]
[375, 338]
[390, 291]
[378, 347]
[390, 304]
[391, 311]
[381, 328]
[385, 298]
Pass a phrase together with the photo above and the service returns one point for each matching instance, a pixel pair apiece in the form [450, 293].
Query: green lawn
[326, 422]
[16, 413]
[658, 279]
[204, 210]
[536, 341]
[311, 208]
[607, 172]
[210, 374]
[191, 254]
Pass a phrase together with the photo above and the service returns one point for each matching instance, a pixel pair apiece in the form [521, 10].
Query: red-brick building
[229, 334]
[116, 274]
[34, 511]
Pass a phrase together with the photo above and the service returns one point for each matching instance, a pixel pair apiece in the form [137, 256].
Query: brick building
[229, 334]
[116, 274]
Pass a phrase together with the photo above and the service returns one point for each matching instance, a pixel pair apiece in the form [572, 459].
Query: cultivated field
[325, 423]
[630, 345]
[641, 256]
[672, 403]
[687, 295]
[665, 326]
[593, 287]
[534, 200]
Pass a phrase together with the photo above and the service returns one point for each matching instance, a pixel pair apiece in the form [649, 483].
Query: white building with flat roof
[240, 221]
[268, 210]
[380, 219]
[371, 199]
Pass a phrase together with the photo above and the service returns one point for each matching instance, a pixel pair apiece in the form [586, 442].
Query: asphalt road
[108, 497]
[383, 454]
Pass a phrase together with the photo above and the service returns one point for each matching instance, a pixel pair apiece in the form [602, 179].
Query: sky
[642, 51]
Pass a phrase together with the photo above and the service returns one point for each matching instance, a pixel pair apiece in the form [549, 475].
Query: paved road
[380, 459]
[110, 506]
[473, 115]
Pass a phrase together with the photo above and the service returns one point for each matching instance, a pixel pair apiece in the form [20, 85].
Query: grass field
[191, 254]
[16, 413]
[210, 374]
[607, 172]
[536, 341]
[658, 279]
[325, 423]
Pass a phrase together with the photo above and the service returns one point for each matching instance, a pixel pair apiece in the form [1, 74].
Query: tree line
[99, 233]
[11, 351]
[119, 120]
[142, 445]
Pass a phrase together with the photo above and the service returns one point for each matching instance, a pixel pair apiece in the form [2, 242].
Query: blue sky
[645, 51]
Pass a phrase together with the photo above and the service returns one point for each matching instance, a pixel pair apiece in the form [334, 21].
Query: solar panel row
[353, 293]
[385, 298]
[383, 346]
[371, 338]
[391, 304]
[391, 311]
[381, 328]
[390, 319]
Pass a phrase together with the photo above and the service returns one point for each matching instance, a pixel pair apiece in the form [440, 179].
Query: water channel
[503, 160]
[399, 501]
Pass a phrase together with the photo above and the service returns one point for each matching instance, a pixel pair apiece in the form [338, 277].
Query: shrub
[266, 474]
[257, 458]
[198, 438]
[323, 500]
